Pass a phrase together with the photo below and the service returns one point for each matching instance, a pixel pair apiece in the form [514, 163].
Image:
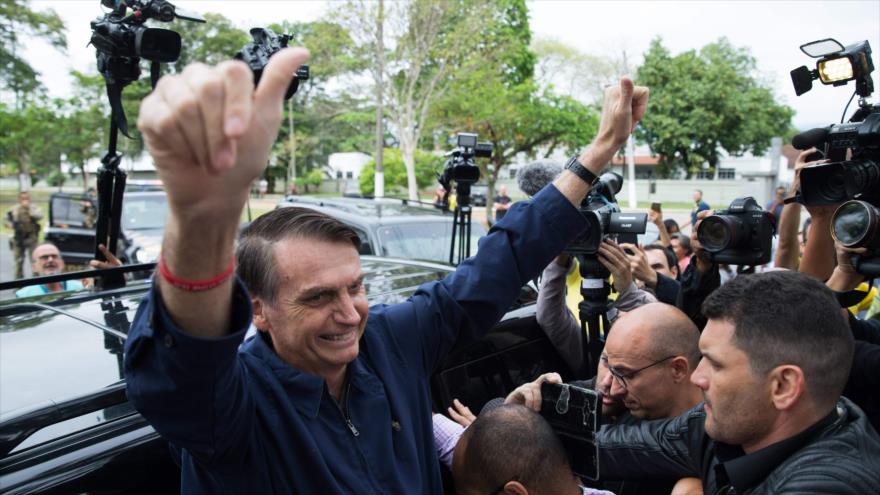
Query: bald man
[47, 260]
[650, 354]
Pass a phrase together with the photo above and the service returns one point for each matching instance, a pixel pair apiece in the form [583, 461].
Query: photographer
[553, 316]
[331, 396]
[24, 218]
[864, 378]
[655, 266]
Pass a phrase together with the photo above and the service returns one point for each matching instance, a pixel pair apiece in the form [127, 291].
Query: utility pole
[630, 157]
[379, 184]
[291, 164]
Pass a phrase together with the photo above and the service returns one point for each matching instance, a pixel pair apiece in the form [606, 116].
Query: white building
[347, 165]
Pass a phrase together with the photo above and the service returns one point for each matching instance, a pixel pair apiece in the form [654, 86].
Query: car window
[71, 211]
[423, 241]
[144, 212]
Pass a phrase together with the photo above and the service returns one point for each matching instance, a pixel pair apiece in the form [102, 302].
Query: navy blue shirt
[247, 422]
[698, 207]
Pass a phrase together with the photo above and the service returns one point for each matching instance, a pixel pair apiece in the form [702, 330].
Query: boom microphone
[534, 176]
[810, 139]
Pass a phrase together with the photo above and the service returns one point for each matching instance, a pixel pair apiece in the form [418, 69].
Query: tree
[497, 98]
[396, 179]
[30, 141]
[706, 101]
[210, 42]
[18, 22]
[428, 42]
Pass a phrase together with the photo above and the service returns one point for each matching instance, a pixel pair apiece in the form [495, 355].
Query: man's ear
[515, 488]
[260, 318]
[787, 386]
[681, 370]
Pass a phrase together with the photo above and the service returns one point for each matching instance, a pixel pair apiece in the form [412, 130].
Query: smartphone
[656, 207]
[573, 413]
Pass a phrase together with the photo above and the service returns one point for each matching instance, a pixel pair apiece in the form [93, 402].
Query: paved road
[7, 268]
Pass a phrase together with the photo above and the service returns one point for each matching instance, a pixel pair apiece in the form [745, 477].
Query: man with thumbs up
[330, 396]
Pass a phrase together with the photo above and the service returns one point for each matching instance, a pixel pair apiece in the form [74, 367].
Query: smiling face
[47, 260]
[739, 410]
[320, 309]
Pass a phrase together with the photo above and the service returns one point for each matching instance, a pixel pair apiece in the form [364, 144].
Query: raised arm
[209, 132]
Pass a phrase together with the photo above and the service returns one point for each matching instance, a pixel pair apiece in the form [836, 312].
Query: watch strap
[576, 168]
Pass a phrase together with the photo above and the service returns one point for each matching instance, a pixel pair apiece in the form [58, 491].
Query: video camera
[740, 235]
[603, 214]
[122, 40]
[460, 166]
[256, 55]
[853, 176]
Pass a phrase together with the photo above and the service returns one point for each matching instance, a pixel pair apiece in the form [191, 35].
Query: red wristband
[195, 285]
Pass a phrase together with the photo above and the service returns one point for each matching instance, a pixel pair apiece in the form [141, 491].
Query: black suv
[72, 229]
[393, 227]
[65, 422]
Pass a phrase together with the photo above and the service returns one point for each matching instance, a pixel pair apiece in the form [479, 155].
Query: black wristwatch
[575, 167]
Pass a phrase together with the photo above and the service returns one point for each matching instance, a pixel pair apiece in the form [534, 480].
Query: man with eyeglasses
[47, 260]
[649, 355]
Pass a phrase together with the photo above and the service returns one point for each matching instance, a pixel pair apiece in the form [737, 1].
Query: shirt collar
[745, 471]
[308, 390]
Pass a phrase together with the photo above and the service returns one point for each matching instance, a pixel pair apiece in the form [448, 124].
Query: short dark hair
[256, 244]
[671, 224]
[684, 241]
[785, 317]
[512, 442]
[670, 255]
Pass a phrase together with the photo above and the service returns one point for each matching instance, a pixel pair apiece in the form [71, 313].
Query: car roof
[368, 211]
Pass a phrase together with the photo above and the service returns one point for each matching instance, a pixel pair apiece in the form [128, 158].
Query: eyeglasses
[623, 377]
[47, 257]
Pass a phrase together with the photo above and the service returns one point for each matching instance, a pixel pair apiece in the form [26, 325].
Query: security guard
[24, 220]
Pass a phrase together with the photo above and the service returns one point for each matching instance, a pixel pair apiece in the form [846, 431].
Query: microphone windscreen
[534, 176]
[810, 139]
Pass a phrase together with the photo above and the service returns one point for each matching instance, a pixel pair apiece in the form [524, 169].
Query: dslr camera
[853, 176]
[256, 55]
[605, 219]
[740, 235]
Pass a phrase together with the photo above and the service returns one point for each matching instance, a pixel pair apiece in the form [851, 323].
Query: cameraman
[864, 379]
[24, 218]
[561, 326]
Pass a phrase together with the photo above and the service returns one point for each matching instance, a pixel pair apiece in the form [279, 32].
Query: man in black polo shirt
[776, 356]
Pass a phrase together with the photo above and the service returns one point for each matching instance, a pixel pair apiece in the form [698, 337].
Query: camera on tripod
[853, 176]
[740, 235]
[605, 219]
[460, 166]
[256, 55]
[123, 39]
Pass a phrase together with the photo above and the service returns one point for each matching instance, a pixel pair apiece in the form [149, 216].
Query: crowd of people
[758, 383]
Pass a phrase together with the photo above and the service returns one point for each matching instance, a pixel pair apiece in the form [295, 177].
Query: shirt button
[169, 341]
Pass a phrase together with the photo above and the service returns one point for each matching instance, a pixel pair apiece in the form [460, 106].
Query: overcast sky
[773, 30]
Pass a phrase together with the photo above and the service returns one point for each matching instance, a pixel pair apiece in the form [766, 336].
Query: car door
[72, 226]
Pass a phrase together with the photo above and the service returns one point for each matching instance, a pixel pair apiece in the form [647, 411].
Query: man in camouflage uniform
[24, 220]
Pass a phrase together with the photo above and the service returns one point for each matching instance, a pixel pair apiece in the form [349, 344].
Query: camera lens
[855, 224]
[718, 232]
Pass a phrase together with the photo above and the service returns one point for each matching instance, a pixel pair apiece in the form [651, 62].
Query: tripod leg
[454, 229]
[118, 192]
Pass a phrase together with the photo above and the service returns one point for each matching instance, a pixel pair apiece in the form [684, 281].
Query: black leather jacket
[841, 458]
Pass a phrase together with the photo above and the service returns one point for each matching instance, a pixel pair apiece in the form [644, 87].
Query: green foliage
[30, 142]
[18, 24]
[427, 166]
[706, 101]
[210, 43]
[506, 107]
[56, 179]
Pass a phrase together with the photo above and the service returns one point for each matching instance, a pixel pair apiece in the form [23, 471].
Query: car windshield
[144, 212]
[423, 241]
